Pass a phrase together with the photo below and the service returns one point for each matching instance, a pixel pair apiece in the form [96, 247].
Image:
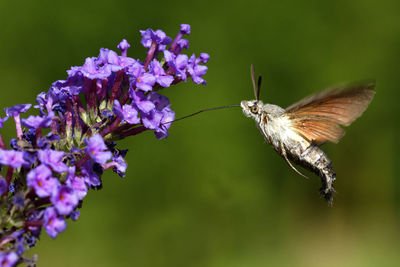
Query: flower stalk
[60, 154]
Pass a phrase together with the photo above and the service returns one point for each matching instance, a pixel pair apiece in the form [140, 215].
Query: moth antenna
[253, 79]
[200, 111]
[258, 88]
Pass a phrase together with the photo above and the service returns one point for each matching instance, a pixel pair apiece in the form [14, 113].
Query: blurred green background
[214, 193]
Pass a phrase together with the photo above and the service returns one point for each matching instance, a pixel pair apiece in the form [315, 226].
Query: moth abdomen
[314, 159]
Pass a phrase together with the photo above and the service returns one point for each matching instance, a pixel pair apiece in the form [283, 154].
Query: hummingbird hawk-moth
[297, 132]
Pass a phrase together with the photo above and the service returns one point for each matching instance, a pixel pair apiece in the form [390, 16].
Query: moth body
[277, 130]
[297, 131]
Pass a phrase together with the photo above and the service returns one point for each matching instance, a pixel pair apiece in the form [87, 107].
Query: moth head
[251, 108]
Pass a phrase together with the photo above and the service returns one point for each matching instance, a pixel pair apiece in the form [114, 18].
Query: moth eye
[254, 109]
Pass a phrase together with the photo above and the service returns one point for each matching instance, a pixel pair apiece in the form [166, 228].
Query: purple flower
[51, 171]
[45, 142]
[127, 113]
[123, 46]
[77, 183]
[185, 28]
[159, 101]
[159, 73]
[203, 58]
[180, 45]
[20, 243]
[17, 234]
[110, 60]
[95, 148]
[195, 70]
[141, 102]
[177, 63]
[130, 114]
[36, 122]
[64, 199]
[118, 110]
[75, 215]
[41, 181]
[30, 241]
[107, 56]
[3, 186]
[11, 188]
[162, 130]
[158, 36]
[8, 259]
[90, 177]
[53, 159]
[92, 70]
[158, 119]
[17, 109]
[15, 112]
[2, 121]
[42, 101]
[152, 120]
[62, 90]
[19, 201]
[118, 164]
[140, 78]
[53, 223]
[33, 229]
[11, 157]
[126, 62]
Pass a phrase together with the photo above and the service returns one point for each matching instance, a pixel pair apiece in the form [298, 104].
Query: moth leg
[283, 151]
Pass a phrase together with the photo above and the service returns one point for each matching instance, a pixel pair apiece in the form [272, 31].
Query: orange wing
[317, 118]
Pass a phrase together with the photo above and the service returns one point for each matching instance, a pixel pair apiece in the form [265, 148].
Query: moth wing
[318, 117]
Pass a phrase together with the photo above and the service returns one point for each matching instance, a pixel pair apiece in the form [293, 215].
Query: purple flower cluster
[61, 153]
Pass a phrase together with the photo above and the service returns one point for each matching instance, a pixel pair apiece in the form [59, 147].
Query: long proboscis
[200, 111]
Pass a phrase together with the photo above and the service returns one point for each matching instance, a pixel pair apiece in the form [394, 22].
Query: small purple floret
[89, 176]
[77, 183]
[130, 114]
[17, 109]
[195, 70]
[53, 223]
[36, 122]
[140, 78]
[177, 63]
[141, 102]
[180, 45]
[123, 46]
[8, 259]
[11, 157]
[53, 159]
[75, 215]
[19, 201]
[64, 199]
[159, 73]
[168, 117]
[203, 58]
[2, 121]
[126, 113]
[119, 165]
[185, 28]
[41, 181]
[95, 148]
[92, 70]
[149, 36]
[3, 186]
